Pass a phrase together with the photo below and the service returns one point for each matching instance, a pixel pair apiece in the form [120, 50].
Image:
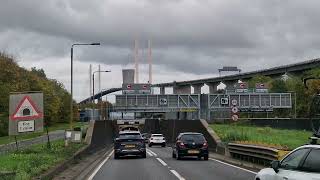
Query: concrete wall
[171, 129]
[103, 134]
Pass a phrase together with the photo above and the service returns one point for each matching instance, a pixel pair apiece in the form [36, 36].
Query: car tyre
[173, 154]
[150, 144]
[206, 157]
[144, 155]
[178, 157]
[116, 156]
[163, 145]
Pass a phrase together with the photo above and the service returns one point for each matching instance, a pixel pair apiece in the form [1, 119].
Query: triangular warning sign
[26, 110]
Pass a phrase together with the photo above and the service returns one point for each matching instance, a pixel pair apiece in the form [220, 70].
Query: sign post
[234, 110]
[25, 113]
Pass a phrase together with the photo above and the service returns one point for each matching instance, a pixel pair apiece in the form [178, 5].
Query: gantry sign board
[25, 113]
[136, 88]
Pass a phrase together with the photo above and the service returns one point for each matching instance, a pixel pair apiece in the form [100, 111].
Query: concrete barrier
[103, 134]
[171, 129]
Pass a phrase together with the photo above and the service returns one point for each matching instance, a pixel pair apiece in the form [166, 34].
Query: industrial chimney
[150, 61]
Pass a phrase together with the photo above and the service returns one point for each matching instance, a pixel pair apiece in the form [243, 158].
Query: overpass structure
[99, 95]
[184, 87]
[182, 103]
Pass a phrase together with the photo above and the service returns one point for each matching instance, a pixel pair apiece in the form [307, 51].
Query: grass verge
[279, 138]
[57, 126]
[36, 159]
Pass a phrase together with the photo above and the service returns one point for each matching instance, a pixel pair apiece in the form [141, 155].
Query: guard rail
[255, 154]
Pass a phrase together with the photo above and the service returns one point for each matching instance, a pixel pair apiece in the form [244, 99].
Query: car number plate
[193, 151]
[129, 146]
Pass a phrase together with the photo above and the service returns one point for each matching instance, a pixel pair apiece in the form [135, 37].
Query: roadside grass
[33, 161]
[266, 136]
[54, 127]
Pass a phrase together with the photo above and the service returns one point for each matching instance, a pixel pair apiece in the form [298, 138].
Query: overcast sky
[191, 39]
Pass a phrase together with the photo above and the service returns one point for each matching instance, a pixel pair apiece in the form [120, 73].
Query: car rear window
[130, 136]
[157, 135]
[193, 137]
[312, 162]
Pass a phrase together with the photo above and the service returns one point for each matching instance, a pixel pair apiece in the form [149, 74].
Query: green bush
[231, 136]
[35, 160]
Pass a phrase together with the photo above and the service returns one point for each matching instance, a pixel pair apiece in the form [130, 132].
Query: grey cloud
[195, 37]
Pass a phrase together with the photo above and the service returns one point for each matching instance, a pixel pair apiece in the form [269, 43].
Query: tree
[259, 79]
[278, 86]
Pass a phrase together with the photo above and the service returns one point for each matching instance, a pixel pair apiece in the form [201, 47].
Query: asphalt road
[159, 165]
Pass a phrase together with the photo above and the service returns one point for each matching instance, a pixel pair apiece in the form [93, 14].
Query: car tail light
[205, 145]
[151, 138]
[181, 144]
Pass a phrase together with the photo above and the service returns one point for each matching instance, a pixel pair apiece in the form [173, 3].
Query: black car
[191, 144]
[129, 143]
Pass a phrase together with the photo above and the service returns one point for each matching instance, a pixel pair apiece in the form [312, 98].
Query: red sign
[144, 87]
[129, 86]
[26, 110]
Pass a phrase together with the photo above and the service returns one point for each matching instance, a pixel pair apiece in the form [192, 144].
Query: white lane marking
[149, 153]
[152, 152]
[177, 175]
[233, 166]
[100, 165]
[162, 162]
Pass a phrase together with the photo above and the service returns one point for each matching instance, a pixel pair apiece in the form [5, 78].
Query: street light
[71, 101]
[101, 102]
[93, 90]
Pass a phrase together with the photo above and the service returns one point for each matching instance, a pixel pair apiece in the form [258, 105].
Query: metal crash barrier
[255, 154]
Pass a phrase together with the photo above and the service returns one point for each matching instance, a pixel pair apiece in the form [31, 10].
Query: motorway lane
[192, 168]
[134, 168]
[159, 165]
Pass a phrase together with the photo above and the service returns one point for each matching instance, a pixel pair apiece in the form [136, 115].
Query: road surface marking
[100, 165]
[152, 152]
[149, 153]
[162, 162]
[177, 175]
[233, 166]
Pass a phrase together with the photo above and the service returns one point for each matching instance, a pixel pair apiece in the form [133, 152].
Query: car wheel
[164, 145]
[178, 157]
[206, 157]
[144, 155]
[116, 156]
[173, 154]
[150, 145]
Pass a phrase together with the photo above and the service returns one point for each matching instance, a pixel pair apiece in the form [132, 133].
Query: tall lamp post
[93, 90]
[71, 101]
[101, 102]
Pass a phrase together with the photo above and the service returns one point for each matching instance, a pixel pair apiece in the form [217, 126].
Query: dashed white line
[177, 175]
[152, 152]
[233, 166]
[162, 162]
[149, 153]
[100, 165]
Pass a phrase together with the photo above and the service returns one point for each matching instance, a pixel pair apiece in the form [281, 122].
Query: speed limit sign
[234, 102]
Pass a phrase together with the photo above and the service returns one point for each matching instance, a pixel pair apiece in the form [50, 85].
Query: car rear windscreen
[130, 136]
[157, 135]
[193, 137]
